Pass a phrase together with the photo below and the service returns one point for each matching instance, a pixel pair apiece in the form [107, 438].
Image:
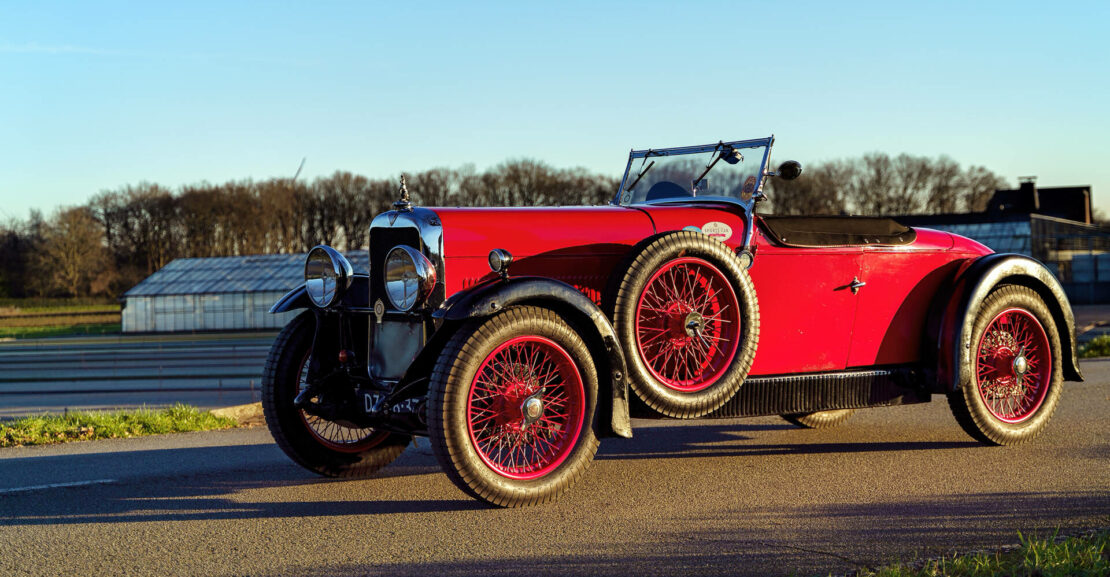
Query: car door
[901, 283]
[806, 307]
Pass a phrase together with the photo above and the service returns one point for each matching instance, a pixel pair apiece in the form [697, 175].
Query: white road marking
[57, 486]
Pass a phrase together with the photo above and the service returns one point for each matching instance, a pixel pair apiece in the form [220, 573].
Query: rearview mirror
[789, 170]
[731, 155]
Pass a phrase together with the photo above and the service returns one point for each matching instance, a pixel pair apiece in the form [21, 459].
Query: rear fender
[971, 287]
[494, 296]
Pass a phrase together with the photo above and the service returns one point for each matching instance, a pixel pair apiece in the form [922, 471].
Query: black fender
[972, 285]
[357, 295]
[496, 295]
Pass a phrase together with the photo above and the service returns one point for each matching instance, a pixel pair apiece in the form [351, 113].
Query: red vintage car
[516, 338]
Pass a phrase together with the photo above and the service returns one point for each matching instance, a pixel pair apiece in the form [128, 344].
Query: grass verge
[86, 426]
[1087, 555]
[59, 331]
[1096, 347]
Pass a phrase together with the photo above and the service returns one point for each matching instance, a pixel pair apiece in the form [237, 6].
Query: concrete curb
[249, 415]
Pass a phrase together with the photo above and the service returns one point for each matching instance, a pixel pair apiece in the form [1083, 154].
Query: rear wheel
[326, 447]
[686, 312]
[819, 419]
[512, 407]
[1016, 377]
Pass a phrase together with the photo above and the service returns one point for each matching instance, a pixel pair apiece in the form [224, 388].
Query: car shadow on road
[259, 482]
[204, 483]
[752, 539]
[730, 440]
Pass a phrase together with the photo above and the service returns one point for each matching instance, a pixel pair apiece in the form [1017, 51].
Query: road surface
[738, 497]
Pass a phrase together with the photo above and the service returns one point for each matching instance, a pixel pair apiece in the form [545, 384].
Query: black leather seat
[666, 189]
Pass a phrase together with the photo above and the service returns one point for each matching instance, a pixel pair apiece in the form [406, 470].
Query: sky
[95, 95]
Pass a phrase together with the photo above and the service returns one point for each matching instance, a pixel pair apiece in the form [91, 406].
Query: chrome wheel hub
[1021, 365]
[532, 410]
[694, 324]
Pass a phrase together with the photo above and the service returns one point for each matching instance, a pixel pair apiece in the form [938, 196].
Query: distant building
[217, 294]
[1052, 225]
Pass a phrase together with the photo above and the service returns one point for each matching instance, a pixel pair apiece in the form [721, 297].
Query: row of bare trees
[879, 184]
[121, 236]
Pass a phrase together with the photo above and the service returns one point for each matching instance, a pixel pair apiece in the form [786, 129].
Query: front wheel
[512, 407]
[1016, 377]
[325, 447]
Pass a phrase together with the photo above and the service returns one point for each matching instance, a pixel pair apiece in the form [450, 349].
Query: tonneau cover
[817, 231]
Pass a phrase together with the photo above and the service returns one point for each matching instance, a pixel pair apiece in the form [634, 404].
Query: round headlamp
[409, 277]
[499, 261]
[327, 274]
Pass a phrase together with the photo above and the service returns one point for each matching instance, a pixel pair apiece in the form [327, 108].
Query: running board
[825, 391]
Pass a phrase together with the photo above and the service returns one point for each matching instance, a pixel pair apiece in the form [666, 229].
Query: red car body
[516, 337]
[812, 327]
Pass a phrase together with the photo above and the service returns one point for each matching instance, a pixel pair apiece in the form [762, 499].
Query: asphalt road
[739, 497]
[88, 373]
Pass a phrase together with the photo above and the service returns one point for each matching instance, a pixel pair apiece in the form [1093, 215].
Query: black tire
[323, 447]
[469, 430]
[1012, 319]
[819, 419]
[662, 348]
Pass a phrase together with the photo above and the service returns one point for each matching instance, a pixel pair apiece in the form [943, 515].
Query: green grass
[1036, 557]
[45, 305]
[86, 426]
[59, 331]
[1096, 347]
[43, 318]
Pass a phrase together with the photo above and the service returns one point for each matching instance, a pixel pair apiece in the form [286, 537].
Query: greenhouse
[217, 294]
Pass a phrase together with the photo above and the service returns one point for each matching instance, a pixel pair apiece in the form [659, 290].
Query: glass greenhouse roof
[233, 274]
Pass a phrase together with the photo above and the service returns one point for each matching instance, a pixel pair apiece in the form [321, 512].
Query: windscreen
[722, 170]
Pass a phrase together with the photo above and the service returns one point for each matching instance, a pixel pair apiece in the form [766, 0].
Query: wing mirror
[789, 170]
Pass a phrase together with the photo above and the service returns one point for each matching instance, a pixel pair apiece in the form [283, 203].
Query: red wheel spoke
[1010, 396]
[687, 324]
[522, 368]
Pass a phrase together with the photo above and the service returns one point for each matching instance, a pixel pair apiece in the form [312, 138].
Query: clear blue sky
[95, 95]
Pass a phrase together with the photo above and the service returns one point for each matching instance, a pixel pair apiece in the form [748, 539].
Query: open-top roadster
[512, 337]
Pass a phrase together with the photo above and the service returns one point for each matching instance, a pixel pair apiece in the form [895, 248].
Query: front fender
[970, 289]
[357, 295]
[494, 296]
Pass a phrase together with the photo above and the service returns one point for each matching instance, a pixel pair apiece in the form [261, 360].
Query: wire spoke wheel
[342, 437]
[687, 324]
[1013, 365]
[524, 410]
[1012, 375]
[326, 447]
[512, 407]
[685, 311]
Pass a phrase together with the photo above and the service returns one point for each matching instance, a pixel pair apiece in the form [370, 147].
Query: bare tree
[72, 256]
[977, 185]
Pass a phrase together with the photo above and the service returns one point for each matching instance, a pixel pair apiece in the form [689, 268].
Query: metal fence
[1078, 254]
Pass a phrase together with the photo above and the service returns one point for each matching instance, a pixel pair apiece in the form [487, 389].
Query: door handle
[856, 284]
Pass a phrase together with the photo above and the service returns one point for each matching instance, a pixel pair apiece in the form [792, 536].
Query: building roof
[1066, 202]
[233, 274]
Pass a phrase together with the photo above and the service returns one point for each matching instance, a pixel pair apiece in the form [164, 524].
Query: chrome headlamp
[409, 277]
[327, 274]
